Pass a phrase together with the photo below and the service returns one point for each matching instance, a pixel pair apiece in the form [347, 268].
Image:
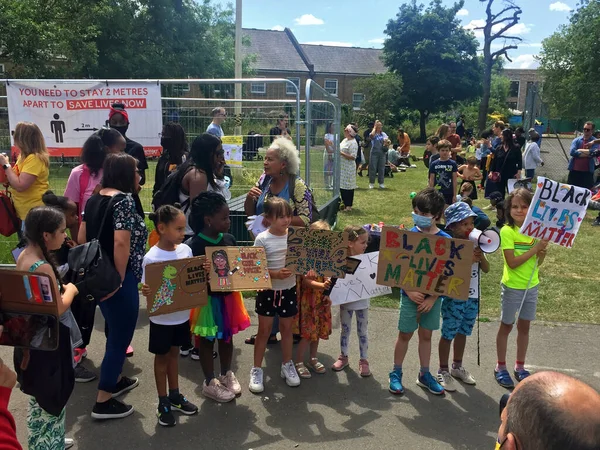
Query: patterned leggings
[362, 329]
[46, 432]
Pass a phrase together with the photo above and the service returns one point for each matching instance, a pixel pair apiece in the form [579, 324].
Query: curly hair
[288, 154]
[207, 204]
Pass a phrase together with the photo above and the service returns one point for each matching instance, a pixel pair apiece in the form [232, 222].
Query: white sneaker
[288, 371]
[463, 375]
[371, 186]
[446, 380]
[231, 382]
[69, 443]
[382, 186]
[256, 385]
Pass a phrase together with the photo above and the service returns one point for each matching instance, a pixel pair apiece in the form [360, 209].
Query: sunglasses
[587, 129]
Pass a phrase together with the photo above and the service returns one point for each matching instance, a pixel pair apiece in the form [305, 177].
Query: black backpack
[315, 215]
[168, 194]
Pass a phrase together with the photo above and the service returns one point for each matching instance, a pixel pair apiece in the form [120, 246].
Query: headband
[114, 111]
[350, 130]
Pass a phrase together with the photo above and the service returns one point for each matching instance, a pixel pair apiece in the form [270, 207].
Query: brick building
[521, 81]
[277, 54]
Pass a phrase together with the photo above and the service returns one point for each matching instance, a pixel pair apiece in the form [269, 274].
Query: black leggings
[347, 197]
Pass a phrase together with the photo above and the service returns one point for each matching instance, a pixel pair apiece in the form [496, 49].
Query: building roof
[350, 60]
[279, 51]
[274, 51]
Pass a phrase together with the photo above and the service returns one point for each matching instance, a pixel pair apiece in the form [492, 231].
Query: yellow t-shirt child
[31, 197]
[518, 278]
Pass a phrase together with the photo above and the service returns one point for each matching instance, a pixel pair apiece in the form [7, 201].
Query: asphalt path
[330, 411]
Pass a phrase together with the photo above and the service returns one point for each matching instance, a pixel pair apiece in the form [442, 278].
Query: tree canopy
[434, 55]
[570, 65]
[117, 38]
[382, 92]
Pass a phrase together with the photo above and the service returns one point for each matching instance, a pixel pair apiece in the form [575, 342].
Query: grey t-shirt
[215, 130]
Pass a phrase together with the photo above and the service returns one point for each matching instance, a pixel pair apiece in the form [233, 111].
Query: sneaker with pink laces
[340, 364]
[230, 381]
[363, 368]
[129, 351]
[217, 391]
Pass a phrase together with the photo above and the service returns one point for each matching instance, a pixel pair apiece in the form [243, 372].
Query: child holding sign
[357, 244]
[458, 316]
[225, 313]
[281, 300]
[168, 331]
[519, 290]
[417, 310]
[313, 321]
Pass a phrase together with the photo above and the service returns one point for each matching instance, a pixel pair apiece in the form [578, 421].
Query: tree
[117, 38]
[382, 93]
[570, 67]
[496, 26]
[434, 56]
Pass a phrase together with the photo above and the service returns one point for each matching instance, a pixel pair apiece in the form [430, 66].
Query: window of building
[357, 100]
[289, 90]
[331, 86]
[258, 88]
[514, 88]
[183, 87]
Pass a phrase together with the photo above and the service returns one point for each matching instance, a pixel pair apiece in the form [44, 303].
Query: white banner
[68, 113]
[556, 212]
[361, 285]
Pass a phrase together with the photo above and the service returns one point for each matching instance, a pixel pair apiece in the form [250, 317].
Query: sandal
[315, 365]
[252, 339]
[303, 372]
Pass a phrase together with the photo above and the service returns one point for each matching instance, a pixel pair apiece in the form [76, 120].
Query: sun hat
[458, 211]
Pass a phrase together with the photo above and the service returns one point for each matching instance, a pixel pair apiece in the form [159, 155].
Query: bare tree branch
[516, 8]
[497, 36]
[503, 51]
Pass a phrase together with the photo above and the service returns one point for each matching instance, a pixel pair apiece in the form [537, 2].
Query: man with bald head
[550, 411]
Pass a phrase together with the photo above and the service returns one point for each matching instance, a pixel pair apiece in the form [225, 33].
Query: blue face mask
[422, 222]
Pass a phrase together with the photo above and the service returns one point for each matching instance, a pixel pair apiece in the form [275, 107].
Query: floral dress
[125, 217]
[348, 166]
[313, 320]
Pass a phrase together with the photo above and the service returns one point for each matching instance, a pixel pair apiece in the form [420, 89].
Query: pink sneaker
[230, 381]
[363, 368]
[340, 364]
[129, 352]
[217, 391]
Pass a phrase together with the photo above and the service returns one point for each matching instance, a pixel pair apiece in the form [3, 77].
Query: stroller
[250, 148]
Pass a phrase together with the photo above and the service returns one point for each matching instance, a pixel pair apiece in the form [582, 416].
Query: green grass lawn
[569, 277]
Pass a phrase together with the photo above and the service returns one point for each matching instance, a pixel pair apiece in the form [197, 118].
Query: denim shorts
[458, 317]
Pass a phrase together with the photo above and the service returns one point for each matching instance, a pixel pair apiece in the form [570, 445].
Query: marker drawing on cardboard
[323, 251]
[238, 269]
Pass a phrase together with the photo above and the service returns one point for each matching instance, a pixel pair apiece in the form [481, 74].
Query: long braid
[50, 259]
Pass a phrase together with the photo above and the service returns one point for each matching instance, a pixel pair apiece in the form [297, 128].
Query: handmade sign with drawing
[556, 212]
[361, 284]
[176, 285]
[323, 251]
[425, 263]
[238, 268]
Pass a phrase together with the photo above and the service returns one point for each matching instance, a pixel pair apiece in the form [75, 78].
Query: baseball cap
[458, 211]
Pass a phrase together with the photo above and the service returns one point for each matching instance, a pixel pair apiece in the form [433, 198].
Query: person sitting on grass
[470, 173]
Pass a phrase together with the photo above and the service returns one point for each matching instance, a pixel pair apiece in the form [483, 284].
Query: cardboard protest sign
[68, 112]
[361, 284]
[238, 268]
[425, 263]
[323, 251]
[556, 212]
[176, 285]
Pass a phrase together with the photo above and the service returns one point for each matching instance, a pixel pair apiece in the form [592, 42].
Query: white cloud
[278, 28]
[462, 12]
[331, 43]
[526, 61]
[377, 41]
[308, 19]
[560, 7]
[518, 29]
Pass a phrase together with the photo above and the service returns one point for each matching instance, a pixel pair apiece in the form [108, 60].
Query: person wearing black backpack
[175, 152]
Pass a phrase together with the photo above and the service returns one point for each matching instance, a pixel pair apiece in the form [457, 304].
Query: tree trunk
[485, 99]
[422, 122]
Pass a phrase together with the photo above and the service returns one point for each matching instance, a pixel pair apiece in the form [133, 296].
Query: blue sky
[361, 24]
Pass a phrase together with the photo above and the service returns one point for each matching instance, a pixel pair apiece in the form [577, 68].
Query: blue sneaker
[428, 382]
[396, 382]
[520, 375]
[503, 379]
